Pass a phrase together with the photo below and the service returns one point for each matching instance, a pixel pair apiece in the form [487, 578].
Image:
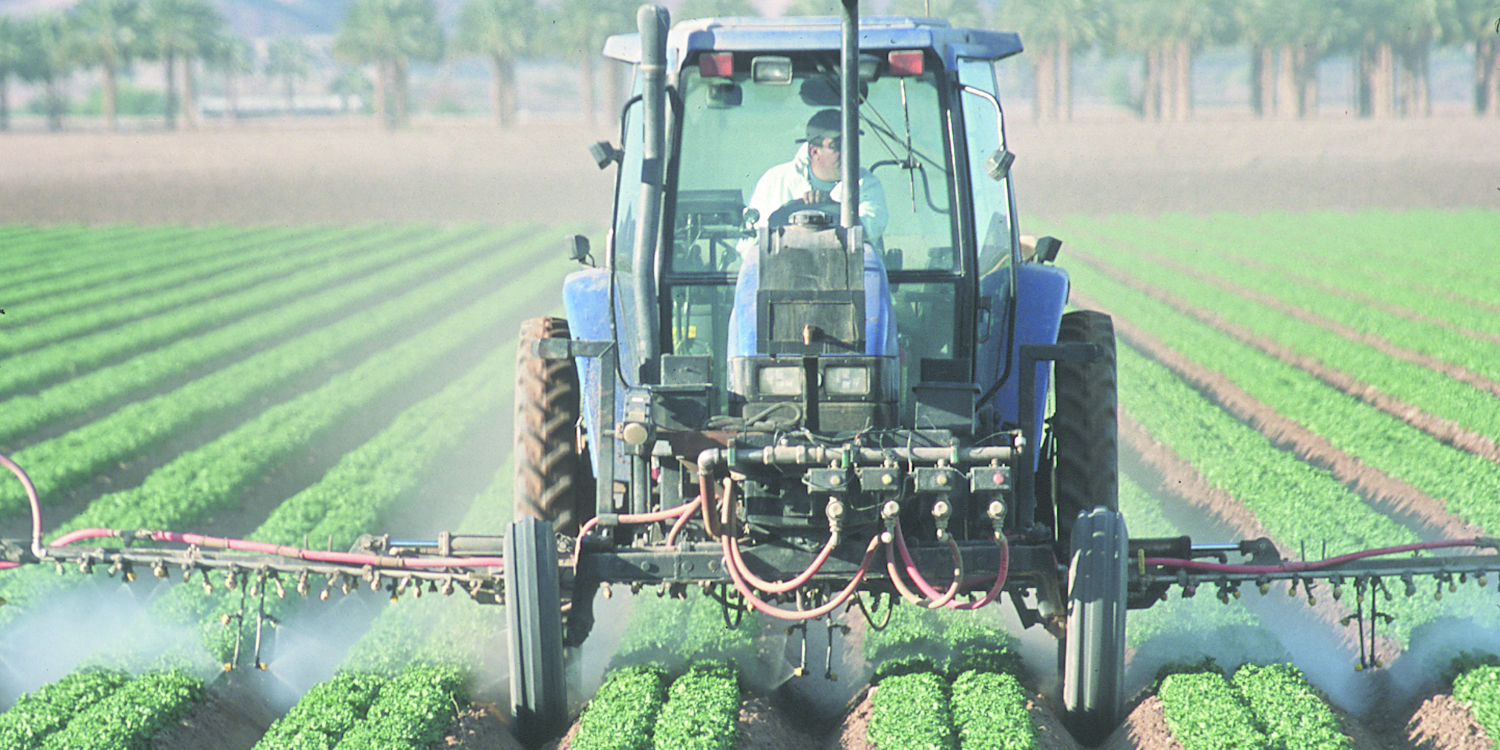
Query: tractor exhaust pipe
[849, 88]
[652, 21]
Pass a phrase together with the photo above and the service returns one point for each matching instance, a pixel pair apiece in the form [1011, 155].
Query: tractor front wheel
[533, 616]
[1092, 652]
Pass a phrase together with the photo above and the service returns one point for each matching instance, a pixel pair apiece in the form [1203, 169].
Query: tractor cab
[758, 294]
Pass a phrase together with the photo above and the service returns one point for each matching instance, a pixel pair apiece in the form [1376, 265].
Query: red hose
[779, 587]
[36, 507]
[938, 600]
[802, 614]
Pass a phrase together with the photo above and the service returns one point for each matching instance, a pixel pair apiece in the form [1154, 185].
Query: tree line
[1389, 44]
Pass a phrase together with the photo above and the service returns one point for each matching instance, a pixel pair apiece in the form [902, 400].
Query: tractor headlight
[846, 381]
[780, 381]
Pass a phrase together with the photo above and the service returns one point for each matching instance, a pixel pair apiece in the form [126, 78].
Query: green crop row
[1467, 483]
[702, 710]
[1480, 689]
[1431, 390]
[91, 391]
[42, 262]
[77, 455]
[323, 714]
[129, 717]
[238, 261]
[1269, 707]
[66, 359]
[38, 715]
[1293, 714]
[411, 711]
[910, 712]
[622, 714]
[989, 712]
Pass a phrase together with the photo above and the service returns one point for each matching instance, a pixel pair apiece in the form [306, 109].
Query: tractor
[815, 363]
[768, 393]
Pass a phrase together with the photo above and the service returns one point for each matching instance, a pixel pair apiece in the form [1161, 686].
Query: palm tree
[110, 32]
[390, 34]
[49, 53]
[1479, 21]
[1056, 29]
[233, 56]
[288, 59]
[582, 26]
[10, 60]
[1287, 39]
[348, 84]
[501, 31]
[180, 29]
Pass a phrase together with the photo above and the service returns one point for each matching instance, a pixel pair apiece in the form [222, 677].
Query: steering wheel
[783, 216]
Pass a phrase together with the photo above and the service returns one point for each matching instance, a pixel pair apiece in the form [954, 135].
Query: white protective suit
[784, 183]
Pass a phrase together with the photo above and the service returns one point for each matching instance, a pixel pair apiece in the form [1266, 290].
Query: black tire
[1092, 652]
[538, 686]
[553, 481]
[1085, 425]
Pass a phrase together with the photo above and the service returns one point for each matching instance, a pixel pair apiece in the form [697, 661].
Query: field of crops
[1329, 380]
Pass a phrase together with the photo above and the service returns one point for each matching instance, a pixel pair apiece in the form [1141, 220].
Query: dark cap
[826, 123]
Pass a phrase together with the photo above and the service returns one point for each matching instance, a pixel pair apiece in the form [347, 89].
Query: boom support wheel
[1093, 648]
[533, 615]
[553, 481]
[1085, 424]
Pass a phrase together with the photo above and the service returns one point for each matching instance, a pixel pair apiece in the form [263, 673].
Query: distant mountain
[251, 18]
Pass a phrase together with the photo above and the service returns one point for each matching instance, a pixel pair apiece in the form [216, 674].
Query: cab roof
[757, 34]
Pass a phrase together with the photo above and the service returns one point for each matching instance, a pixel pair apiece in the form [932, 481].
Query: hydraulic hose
[937, 600]
[803, 614]
[36, 508]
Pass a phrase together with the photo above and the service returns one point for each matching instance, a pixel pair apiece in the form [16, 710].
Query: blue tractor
[800, 388]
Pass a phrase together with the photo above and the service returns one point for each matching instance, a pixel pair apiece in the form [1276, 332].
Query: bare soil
[348, 171]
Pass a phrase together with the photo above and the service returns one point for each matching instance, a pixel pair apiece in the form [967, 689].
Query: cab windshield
[733, 130]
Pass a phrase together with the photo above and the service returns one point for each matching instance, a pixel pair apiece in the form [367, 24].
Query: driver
[811, 178]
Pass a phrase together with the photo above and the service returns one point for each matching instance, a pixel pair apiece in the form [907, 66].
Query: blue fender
[1042, 295]
[586, 304]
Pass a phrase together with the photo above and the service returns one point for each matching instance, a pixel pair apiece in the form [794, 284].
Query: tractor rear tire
[1085, 425]
[533, 616]
[553, 481]
[1093, 648]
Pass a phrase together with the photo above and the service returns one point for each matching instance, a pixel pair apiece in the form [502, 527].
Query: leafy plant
[623, 713]
[1292, 713]
[702, 710]
[37, 715]
[129, 717]
[411, 712]
[1205, 712]
[1480, 689]
[910, 712]
[324, 713]
[989, 712]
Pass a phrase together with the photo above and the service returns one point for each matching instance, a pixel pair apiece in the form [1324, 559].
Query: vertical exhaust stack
[849, 88]
[652, 21]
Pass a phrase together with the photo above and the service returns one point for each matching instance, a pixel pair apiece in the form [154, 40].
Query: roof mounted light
[716, 64]
[773, 69]
[907, 62]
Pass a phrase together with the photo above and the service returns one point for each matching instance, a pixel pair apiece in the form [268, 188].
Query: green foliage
[910, 712]
[990, 713]
[1292, 713]
[128, 718]
[1205, 712]
[1467, 661]
[411, 712]
[674, 632]
[1480, 689]
[917, 639]
[37, 715]
[129, 100]
[324, 713]
[702, 710]
[623, 713]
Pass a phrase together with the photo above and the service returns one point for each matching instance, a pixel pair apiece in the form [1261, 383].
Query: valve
[891, 512]
[941, 512]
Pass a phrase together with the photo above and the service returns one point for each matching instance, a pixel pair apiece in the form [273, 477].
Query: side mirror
[1047, 249]
[578, 249]
[605, 154]
[997, 166]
